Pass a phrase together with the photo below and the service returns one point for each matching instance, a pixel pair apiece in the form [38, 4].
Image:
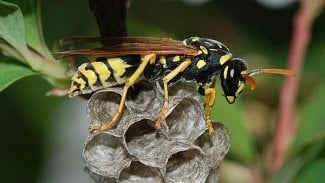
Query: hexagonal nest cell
[134, 151]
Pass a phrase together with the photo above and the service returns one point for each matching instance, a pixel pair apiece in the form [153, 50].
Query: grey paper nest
[134, 151]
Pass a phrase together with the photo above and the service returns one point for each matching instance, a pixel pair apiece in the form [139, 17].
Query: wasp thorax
[232, 81]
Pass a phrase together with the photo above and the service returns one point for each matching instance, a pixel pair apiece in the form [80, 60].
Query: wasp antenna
[271, 71]
[250, 81]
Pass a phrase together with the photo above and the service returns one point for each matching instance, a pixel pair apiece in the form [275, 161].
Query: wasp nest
[134, 151]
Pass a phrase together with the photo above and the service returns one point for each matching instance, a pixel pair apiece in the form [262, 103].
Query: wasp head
[232, 78]
[234, 74]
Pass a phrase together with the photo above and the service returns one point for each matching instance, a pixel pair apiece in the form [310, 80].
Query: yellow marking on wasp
[239, 83]
[200, 64]
[129, 82]
[231, 99]
[89, 74]
[199, 52]
[240, 88]
[177, 58]
[225, 72]
[244, 72]
[119, 68]
[204, 49]
[102, 72]
[194, 39]
[219, 44]
[225, 58]
[162, 60]
[152, 61]
[73, 87]
[76, 80]
[212, 49]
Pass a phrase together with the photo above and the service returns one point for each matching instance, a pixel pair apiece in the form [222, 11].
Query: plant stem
[286, 127]
[50, 68]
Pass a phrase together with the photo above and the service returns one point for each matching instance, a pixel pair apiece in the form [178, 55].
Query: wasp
[124, 60]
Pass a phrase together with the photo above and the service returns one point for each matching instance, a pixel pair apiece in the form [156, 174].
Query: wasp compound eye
[232, 81]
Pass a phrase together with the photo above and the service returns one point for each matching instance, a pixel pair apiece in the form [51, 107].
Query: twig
[285, 128]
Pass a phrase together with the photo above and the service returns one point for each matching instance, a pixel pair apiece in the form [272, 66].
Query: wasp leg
[166, 79]
[210, 96]
[211, 86]
[129, 82]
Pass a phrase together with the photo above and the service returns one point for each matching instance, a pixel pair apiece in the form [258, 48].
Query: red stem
[285, 124]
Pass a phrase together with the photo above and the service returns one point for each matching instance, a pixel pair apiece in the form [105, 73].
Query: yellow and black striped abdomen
[102, 73]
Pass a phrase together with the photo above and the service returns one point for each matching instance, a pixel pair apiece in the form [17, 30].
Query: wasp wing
[123, 46]
[109, 41]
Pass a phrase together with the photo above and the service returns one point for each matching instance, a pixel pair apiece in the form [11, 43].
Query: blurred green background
[42, 137]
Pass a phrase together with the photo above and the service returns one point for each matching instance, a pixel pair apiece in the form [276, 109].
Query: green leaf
[34, 33]
[12, 28]
[314, 173]
[231, 115]
[11, 72]
[301, 163]
[12, 31]
[313, 119]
